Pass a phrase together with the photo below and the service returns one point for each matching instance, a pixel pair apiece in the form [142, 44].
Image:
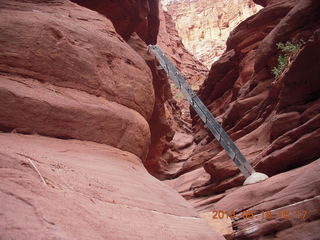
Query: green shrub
[282, 63]
[288, 50]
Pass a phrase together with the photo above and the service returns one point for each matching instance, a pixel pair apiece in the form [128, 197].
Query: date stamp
[249, 214]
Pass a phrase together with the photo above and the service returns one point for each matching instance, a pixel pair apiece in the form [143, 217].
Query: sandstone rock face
[169, 111]
[66, 74]
[140, 16]
[204, 26]
[29, 106]
[269, 118]
[162, 119]
[171, 43]
[49, 62]
[273, 120]
[192, 69]
[138, 23]
[286, 206]
[86, 195]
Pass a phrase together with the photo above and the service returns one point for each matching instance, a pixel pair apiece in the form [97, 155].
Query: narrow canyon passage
[97, 143]
[262, 102]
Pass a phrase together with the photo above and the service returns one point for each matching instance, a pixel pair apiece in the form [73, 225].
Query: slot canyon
[96, 141]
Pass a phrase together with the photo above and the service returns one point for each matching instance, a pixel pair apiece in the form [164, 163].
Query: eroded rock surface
[273, 120]
[66, 74]
[286, 206]
[50, 56]
[204, 25]
[192, 69]
[171, 43]
[162, 122]
[141, 16]
[92, 191]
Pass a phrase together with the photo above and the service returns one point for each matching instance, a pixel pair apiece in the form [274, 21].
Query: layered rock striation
[278, 114]
[204, 26]
[274, 120]
[171, 43]
[53, 68]
[78, 116]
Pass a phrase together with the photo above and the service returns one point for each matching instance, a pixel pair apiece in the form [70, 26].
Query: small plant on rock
[288, 50]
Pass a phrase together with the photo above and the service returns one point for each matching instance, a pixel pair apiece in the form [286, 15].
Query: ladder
[203, 112]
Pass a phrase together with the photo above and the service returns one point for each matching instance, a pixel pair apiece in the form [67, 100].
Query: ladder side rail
[203, 112]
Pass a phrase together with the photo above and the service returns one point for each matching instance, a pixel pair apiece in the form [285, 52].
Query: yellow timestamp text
[269, 214]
